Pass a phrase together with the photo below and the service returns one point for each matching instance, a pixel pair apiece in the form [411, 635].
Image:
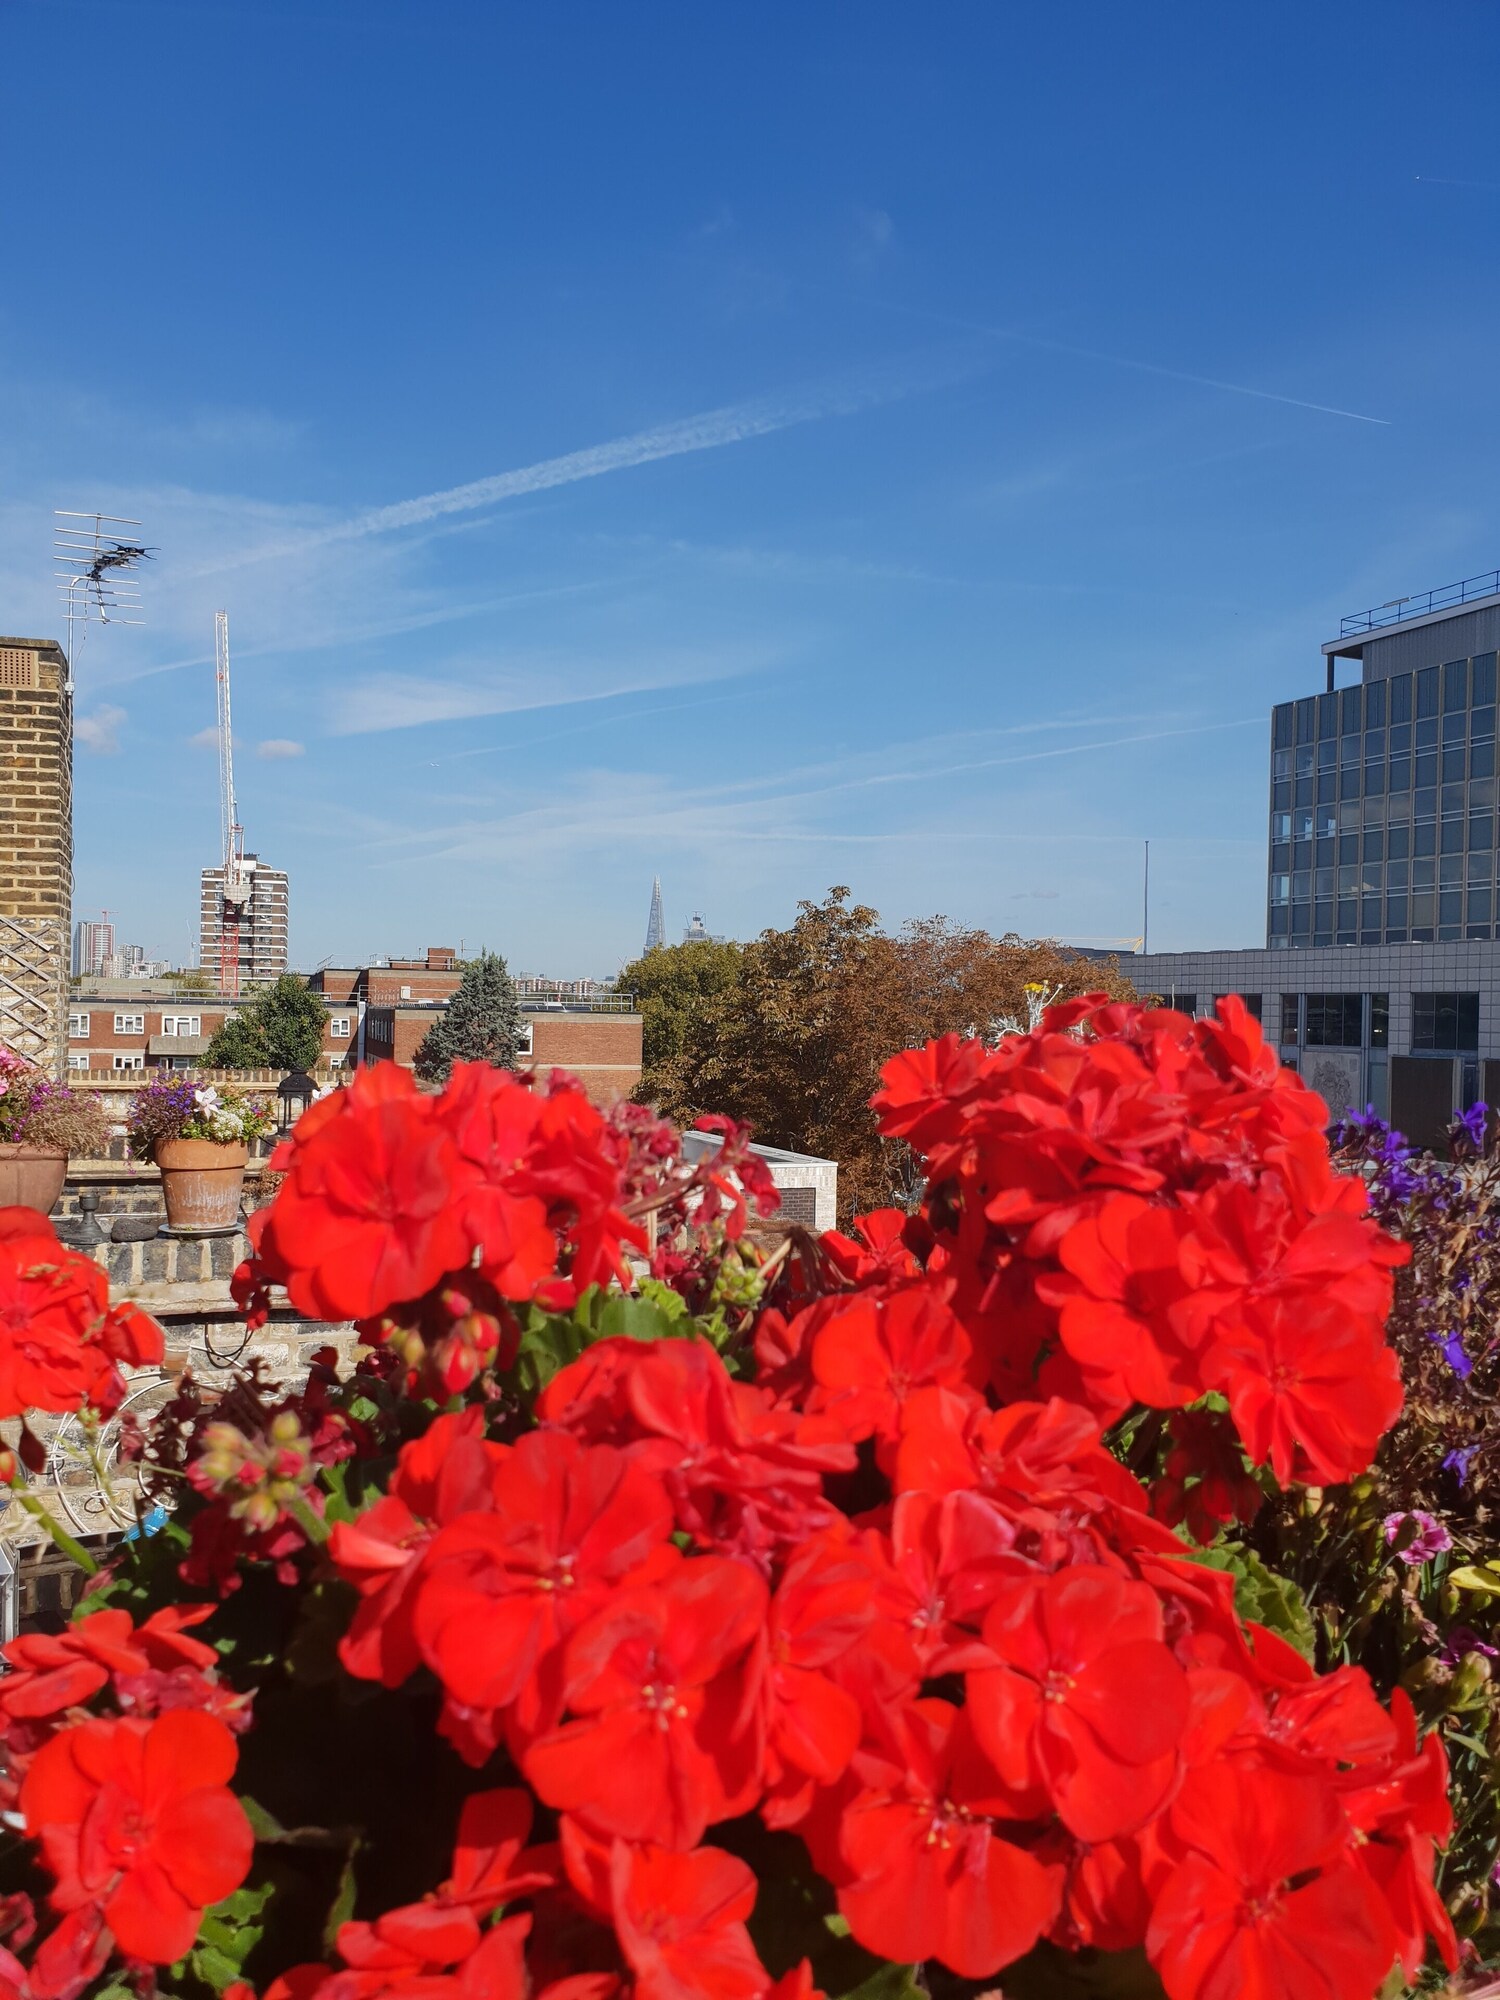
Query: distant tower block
[656, 923]
[36, 847]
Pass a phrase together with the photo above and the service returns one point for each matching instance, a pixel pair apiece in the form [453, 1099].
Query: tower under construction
[242, 917]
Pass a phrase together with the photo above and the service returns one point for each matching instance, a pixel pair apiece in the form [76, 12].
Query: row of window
[119, 1059]
[1441, 1023]
[1459, 684]
[1376, 840]
[1373, 878]
[340, 1026]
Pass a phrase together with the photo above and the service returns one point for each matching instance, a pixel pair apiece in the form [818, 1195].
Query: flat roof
[1351, 646]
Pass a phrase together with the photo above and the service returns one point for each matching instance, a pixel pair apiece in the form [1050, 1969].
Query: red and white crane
[234, 890]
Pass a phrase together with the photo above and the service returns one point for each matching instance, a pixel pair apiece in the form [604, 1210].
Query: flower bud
[1470, 1680]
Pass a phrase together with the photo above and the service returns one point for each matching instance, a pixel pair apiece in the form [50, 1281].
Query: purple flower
[1464, 1639]
[1453, 1353]
[1472, 1124]
[1458, 1462]
[1430, 1538]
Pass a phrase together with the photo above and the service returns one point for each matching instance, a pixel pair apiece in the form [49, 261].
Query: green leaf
[638, 1319]
[891, 1982]
[342, 1504]
[342, 1907]
[1261, 1594]
[227, 1934]
[673, 1304]
[1467, 1742]
[264, 1825]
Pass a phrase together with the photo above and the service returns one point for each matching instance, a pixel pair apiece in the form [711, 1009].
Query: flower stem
[75, 1551]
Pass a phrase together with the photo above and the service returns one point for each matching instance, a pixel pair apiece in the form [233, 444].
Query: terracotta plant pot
[201, 1182]
[31, 1177]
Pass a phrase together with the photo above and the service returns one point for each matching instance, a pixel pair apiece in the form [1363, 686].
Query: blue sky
[768, 446]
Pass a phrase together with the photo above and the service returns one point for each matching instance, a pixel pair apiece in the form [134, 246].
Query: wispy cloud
[275, 748]
[207, 738]
[874, 235]
[533, 681]
[637, 811]
[733, 423]
[99, 732]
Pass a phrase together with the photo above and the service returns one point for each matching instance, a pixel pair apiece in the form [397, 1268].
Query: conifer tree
[482, 1024]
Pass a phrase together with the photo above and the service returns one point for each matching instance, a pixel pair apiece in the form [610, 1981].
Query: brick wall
[602, 1050]
[36, 844]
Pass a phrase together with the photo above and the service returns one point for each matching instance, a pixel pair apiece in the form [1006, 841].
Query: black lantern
[295, 1092]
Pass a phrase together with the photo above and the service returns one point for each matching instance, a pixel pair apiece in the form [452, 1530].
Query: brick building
[127, 1024]
[36, 845]
[597, 1037]
[375, 1013]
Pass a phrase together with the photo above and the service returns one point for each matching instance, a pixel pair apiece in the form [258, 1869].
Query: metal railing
[1396, 610]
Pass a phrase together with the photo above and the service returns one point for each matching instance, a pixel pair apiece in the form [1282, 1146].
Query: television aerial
[95, 560]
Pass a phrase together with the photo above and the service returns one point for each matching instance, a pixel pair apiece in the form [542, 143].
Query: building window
[1333, 1020]
[339, 1027]
[523, 1047]
[1289, 1017]
[78, 1059]
[130, 1024]
[129, 1059]
[1443, 1023]
[78, 1026]
[182, 1024]
[1380, 1020]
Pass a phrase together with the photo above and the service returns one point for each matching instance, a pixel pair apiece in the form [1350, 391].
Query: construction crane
[234, 890]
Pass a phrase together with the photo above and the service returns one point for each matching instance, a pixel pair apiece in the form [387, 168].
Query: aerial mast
[235, 886]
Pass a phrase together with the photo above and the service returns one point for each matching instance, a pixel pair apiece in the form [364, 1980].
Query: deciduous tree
[282, 1028]
[794, 1045]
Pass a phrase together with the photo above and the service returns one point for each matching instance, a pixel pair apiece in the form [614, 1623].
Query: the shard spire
[656, 923]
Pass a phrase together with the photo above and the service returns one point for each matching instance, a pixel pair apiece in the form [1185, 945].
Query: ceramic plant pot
[201, 1181]
[31, 1177]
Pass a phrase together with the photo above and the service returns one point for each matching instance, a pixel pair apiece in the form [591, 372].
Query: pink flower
[1430, 1538]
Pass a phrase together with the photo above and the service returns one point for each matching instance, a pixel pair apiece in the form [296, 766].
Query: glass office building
[1382, 809]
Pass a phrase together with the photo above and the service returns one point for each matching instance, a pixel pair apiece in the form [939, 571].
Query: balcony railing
[1396, 610]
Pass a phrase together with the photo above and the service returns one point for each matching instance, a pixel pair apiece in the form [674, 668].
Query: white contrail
[1125, 360]
[1202, 381]
[731, 424]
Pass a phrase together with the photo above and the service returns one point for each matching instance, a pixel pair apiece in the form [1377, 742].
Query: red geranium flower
[370, 1213]
[658, 1750]
[679, 1918]
[1119, 1297]
[1264, 1907]
[1088, 1706]
[62, 1344]
[870, 1353]
[446, 1472]
[137, 1818]
[503, 1588]
[933, 1875]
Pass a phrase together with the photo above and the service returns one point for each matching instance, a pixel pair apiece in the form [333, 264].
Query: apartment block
[260, 929]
